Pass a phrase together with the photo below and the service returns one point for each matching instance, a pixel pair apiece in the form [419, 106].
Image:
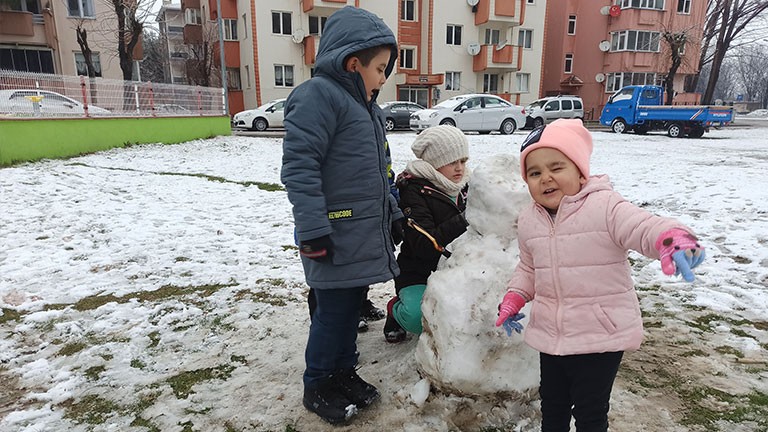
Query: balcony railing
[17, 23]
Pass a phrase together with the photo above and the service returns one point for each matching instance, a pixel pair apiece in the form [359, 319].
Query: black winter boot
[349, 383]
[370, 312]
[329, 402]
[393, 332]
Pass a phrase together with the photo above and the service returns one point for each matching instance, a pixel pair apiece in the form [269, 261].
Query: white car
[473, 112]
[20, 102]
[269, 115]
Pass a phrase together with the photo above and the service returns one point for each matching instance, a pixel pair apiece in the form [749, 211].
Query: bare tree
[726, 21]
[130, 26]
[751, 66]
[202, 64]
[155, 58]
[676, 42]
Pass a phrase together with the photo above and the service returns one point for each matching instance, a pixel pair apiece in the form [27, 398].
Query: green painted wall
[23, 140]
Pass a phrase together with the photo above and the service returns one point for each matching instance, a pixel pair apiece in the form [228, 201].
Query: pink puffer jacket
[575, 270]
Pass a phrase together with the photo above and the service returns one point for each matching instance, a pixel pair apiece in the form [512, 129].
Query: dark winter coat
[334, 161]
[439, 215]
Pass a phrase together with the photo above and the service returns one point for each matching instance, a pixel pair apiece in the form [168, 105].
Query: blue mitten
[511, 324]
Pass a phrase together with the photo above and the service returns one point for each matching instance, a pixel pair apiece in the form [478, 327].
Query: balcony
[506, 11]
[308, 5]
[506, 57]
[17, 23]
[193, 34]
[190, 4]
[310, 49]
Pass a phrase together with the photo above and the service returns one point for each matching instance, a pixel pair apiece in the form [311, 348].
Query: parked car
[549, 109]
[473, 112]
[269, 115]
[397, 114]
[19, 102]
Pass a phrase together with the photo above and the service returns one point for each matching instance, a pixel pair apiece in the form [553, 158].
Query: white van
[549, 109]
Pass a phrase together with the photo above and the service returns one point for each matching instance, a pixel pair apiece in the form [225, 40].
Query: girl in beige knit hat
[433, 192]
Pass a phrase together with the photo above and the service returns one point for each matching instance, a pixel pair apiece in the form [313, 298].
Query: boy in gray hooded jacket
[336, 175]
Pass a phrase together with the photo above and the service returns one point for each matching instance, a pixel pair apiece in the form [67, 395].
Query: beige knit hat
[441, 145]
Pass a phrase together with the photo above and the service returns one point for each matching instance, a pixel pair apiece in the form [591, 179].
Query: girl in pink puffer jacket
[573, 266]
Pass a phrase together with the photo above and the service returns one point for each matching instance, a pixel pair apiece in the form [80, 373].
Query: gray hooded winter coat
[334, 161]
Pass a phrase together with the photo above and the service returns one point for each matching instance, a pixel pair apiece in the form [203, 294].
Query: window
[193, 16]
[283, 76]
[230, 29]
[492, 102]
[635, 40]
[618, 80]
[24, 6]
[281, 23]
[245, 27]
[233, 79]
[453, 35]
[418, 95]
[568, 63]
[490, 83]
[689, 83]
[452, 80]
[492, 36]
[531, 1]
[247, 76]
[523, 80]
[408, 10]
[80, 8]
[26, 60]
[407, 58]
[317, 25]
[80, 64]
[525, 38]
[643, 4]
[571, 24]
[175, 29]
[567, 104]
[684, 6]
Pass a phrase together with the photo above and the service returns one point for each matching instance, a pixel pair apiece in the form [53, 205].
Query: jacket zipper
[555, 277]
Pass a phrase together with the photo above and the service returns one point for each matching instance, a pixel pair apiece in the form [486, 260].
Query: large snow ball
[460, 350]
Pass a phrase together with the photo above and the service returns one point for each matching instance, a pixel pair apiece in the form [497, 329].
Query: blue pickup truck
[641, 109]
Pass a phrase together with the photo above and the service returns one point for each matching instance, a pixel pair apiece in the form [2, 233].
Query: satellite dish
[604, 46]
[298, 36]
[600, 77]
[473, 2]
[605, 10]
[614, 10]
[473, 49]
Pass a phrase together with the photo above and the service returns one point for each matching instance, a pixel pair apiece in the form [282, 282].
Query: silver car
[483, 113]
[269, 115]
[26, 102]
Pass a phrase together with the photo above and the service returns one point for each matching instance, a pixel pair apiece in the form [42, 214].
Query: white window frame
[319, 22]
[525, 38]
[282, 30]
[85, 9]
[407, 55]
[491, 83]
[568, 67]
[404, 10]
[452, 81]
[95, 59]
[283, 82]
[616, 80]
[635, 40]
[643, 4]
[230, 29]
[531, 1]
[453, 32]
[193, 16]
[684, 7]
[492, 36]
[523, 82]
[571, 30]
[233, 79]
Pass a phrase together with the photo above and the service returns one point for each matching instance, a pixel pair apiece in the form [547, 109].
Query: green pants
[407, 310]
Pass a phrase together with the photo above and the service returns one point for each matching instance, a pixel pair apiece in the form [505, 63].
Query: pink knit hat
[566, 135]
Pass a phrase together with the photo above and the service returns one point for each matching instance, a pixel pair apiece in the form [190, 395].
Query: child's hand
[512, 324]
[510, 306]
[680, 252]
[318, 249]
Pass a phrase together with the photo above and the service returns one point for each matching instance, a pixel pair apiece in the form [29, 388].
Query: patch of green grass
[141, 422]
[182, 259]
[162, 293]
[735, 409]
[648, 288]
[742, 333]
[137, 364]
[653, 324]
[71, 348]
[290, 247]
[694, 353]
[9, 315]
[182, 383]
[238, 359]
[93, 373]
[91, 409]
[724, 349]
[154, 338]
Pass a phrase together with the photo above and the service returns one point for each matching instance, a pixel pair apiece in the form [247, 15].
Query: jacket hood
[349, 30]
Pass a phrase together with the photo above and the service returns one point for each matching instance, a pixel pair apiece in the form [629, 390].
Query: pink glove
[510, 306]
[679, 252]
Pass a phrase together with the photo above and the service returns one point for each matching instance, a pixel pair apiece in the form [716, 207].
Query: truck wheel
[696, 132]
[619, 126]
[675, 130]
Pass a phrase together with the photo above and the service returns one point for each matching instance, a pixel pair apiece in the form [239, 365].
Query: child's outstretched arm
[679, 252]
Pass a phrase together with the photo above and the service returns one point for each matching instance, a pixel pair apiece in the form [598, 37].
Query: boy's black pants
[578, 385]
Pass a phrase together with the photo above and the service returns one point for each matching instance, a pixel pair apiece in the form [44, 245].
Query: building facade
[170, 22]
[593, 47]
[37, 36]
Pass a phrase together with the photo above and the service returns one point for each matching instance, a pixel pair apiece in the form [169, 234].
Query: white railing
[26, 94]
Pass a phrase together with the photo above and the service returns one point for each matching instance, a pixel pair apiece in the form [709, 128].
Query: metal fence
[25, 94]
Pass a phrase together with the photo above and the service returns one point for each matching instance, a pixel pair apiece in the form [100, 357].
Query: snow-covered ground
[157, 288]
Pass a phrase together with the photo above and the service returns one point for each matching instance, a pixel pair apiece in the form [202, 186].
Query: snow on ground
[157, 288]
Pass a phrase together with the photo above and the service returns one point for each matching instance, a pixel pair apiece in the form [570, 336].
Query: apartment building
[447, 47]
[595, 47]
[170, 21]
[39, 36]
